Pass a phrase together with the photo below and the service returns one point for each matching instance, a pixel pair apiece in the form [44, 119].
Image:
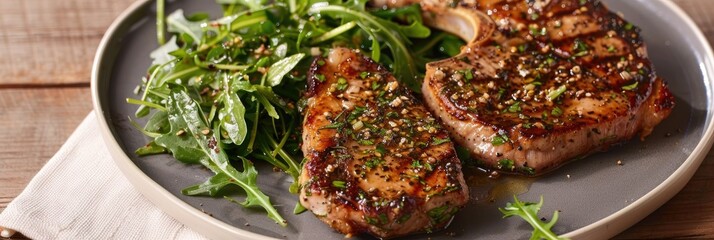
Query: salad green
[226, 92]
[528, 211]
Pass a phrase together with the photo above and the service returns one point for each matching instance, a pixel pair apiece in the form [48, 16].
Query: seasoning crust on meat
[376, 160]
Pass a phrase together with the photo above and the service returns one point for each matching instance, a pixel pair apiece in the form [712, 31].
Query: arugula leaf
[412, 14]
[529, 212]
[251, 4]
[163, 54]
[282, 67]
[334, 32]
[158, 123]
[451, 45]
[404, 65]
[232, 117]
[267, 105]
[210, 187]
[184, 108]
[177, 141]
[150, 149]
[177, 23]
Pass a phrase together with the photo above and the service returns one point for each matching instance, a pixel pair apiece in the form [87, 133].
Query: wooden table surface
[47, 48]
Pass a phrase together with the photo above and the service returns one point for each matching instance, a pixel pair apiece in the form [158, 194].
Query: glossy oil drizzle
[485, 188]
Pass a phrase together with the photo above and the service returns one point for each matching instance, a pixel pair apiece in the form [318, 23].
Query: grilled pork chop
[377, 161]
[541, 82]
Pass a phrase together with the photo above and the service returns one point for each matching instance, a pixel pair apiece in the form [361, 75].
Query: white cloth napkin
[81, 194]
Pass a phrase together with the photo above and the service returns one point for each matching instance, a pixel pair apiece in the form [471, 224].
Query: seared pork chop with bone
[376, 160]
[541, 82]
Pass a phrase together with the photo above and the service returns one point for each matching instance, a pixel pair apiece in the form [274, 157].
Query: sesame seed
[575, 70]
[358, 125]
[396, 102]
[625, 75]
[439, 74]
[391, 86]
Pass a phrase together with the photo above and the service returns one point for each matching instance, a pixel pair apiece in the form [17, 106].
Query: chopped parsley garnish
[538, 32]
[581, 48]
[468, 74]
[339, 184]
[358, 111]
[404, 218]
[499, 140]
[556, 93]
[550, 61]
[363, 75]
[527, 170]
[516, 107]
[371, 220]
[341, 84]
[630, 87]
[416, 164]
[375, 85]
[374, 162]
[333, 125]
[611, 49]
[438, 141]
[441, 214]
[320, 77]
[365, 142]
[505, 164]
[501, 91]
[629, 26]
[380, 149]
[556, 112]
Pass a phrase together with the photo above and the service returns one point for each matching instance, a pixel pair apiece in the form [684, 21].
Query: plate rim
[624, 218]
[216, 229]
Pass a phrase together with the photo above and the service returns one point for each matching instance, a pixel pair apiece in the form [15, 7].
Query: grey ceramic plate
[597, 198]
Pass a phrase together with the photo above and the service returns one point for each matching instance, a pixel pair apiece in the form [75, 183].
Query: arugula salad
[225, 93]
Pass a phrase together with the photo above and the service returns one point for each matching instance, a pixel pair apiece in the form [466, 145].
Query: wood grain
[44, 94]
[49, 41]
[34, 123]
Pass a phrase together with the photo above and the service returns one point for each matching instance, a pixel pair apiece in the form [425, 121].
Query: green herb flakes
[339, 184]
